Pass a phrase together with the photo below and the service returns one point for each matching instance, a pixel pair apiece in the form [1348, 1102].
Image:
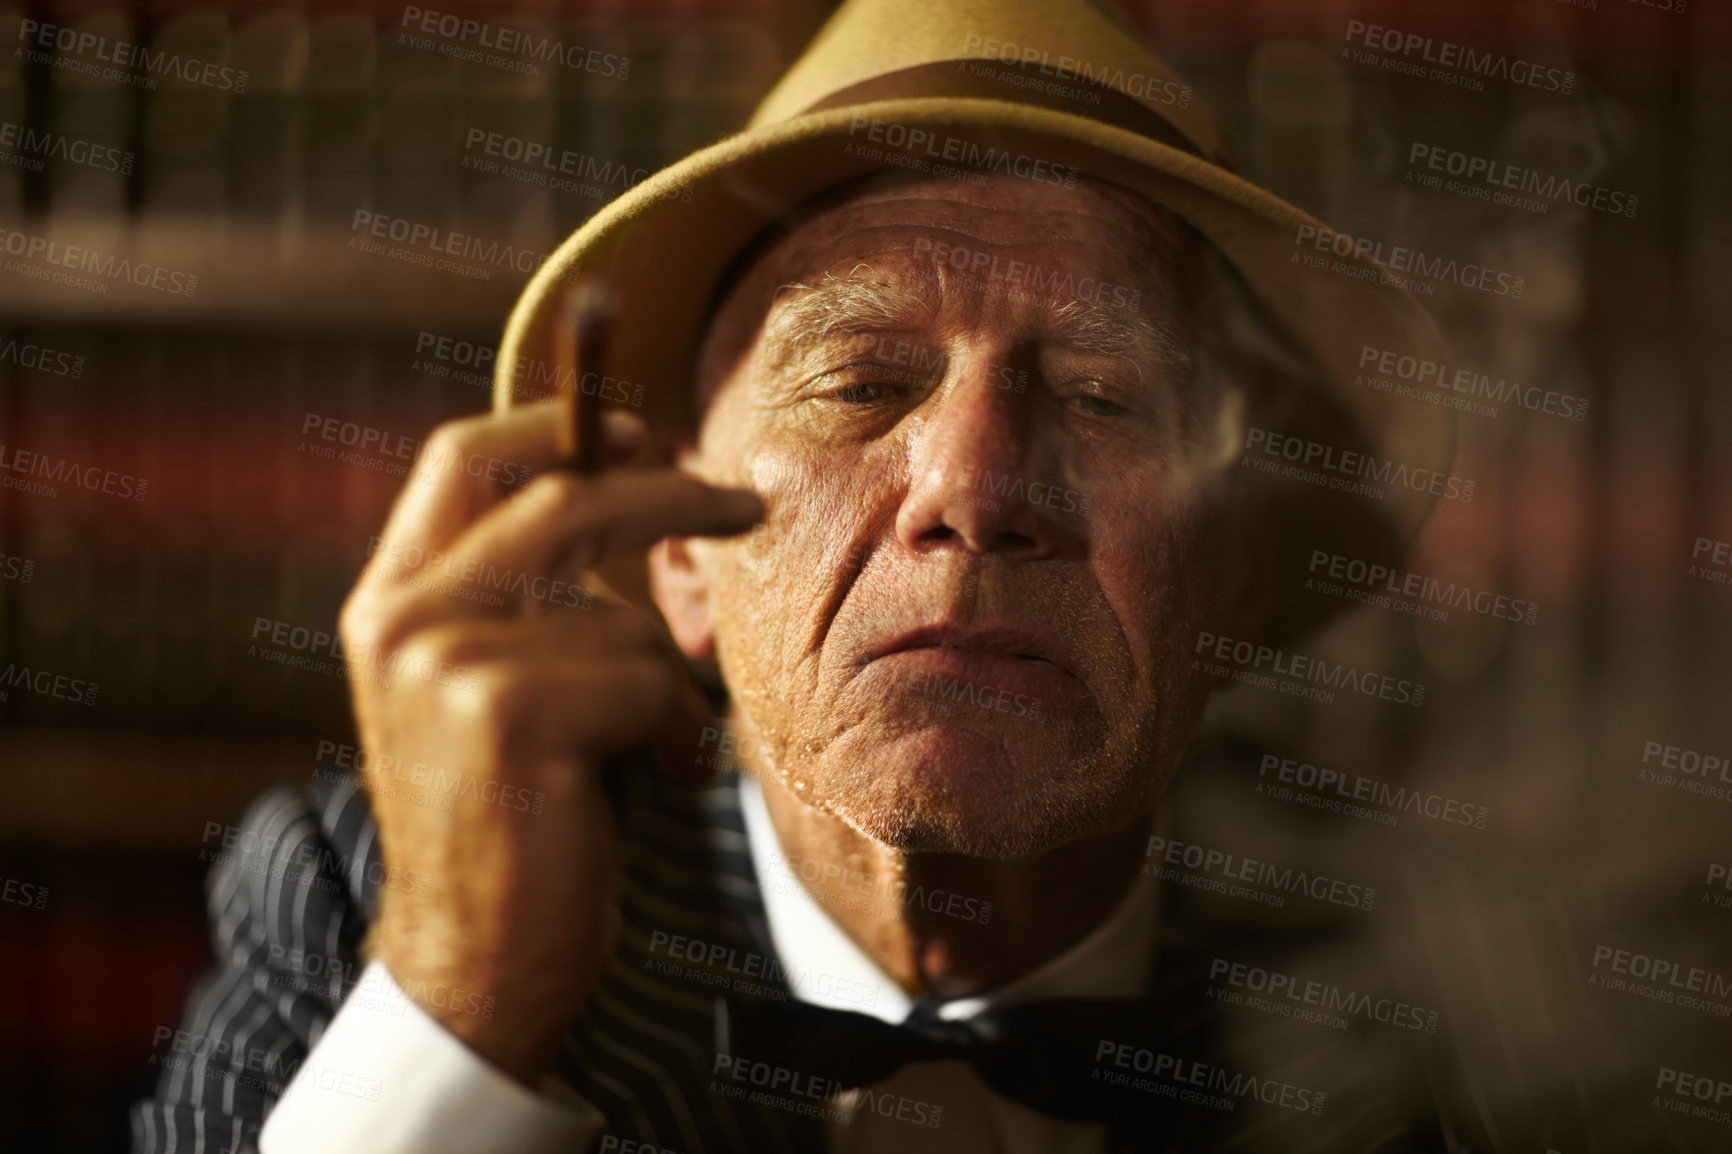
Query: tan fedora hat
[1029, 88]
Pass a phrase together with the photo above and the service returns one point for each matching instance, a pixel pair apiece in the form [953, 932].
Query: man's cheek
[1164, 588]
[756, 592]
[780, 586]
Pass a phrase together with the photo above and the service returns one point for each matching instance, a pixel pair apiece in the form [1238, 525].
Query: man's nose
[978, 470]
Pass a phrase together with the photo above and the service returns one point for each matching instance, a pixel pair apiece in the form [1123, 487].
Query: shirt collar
[823, 966]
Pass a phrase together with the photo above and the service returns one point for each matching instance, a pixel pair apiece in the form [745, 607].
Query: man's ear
[681, 588]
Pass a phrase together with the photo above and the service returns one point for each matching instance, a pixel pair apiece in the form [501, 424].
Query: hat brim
[663, 245]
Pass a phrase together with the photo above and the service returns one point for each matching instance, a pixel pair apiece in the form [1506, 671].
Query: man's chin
[966, 789]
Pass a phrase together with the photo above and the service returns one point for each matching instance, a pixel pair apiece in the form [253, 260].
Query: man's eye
[860, 393]
[862, 384]
[1099, 406]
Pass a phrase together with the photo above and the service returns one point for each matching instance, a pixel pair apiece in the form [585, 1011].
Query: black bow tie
[1082, 1059]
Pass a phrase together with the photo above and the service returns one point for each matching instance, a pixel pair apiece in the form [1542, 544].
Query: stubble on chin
[994, 811]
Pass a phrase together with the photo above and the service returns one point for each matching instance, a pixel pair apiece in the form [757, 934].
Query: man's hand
[495, 916]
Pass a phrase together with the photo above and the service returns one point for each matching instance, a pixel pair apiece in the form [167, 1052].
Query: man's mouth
[1002, 655]
[998, 640]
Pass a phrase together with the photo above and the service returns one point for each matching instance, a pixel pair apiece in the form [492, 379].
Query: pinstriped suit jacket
[290, 906]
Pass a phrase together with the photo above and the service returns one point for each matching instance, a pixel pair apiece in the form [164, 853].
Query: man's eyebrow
[1117, 331]
[805, 314]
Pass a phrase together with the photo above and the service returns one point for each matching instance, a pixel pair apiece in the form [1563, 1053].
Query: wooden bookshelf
[251, 274]
[134, 792]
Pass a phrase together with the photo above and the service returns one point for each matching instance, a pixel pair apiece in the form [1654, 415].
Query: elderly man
[941, 472]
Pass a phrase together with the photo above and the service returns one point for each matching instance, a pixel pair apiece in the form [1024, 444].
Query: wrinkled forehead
[1046, 245]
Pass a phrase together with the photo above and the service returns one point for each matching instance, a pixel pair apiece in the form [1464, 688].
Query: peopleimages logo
[401, 455]
[1309, 1000]
[1499, 179]
[1340, 792]
[1672, 977]
[41, 359]
[1710, 561]
[1219, 869]
[496, 46]
[28, 247]
[1009, 487]
[1398, 265]
[922, 148]
[1116, 1061]
[1689, 770]
[450, 785]
[1243, 658]
[56, 471]
[1348, 470]
[560, 169]
[36, 144]
[763, 1083]
[1462, 389]
[1039, 283]
[1412, 53]
[1695, 1095]
[275, 852]
[472, 578]
[1151, 89]
[187, 1050]
[749, 972]
[87, 53]
[885, 895]
[949, 691]
[22, 893]
[1719, 878]
[431, 246]
[301, 647]
[1372, 583]
[47, 683]
[468, 362]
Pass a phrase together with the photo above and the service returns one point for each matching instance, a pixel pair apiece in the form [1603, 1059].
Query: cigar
[585, 324]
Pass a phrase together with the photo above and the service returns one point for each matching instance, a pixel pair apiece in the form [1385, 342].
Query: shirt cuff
[387, 1079]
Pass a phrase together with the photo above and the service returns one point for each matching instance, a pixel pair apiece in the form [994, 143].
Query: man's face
[966, 622]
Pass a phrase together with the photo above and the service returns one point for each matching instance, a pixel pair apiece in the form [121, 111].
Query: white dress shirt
[385, 1078]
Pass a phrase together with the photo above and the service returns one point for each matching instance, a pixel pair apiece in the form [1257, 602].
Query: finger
[395, 563]
[470, 465]
[563, 522]
[618, 634]
[438, 501]
[594, 683]
[608, 631]
[586, 707]
[614, 630]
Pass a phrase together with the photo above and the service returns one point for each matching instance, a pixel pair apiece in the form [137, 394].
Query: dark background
[156, 600]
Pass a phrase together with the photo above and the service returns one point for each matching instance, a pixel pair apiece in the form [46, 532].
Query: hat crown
[1019, 51]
